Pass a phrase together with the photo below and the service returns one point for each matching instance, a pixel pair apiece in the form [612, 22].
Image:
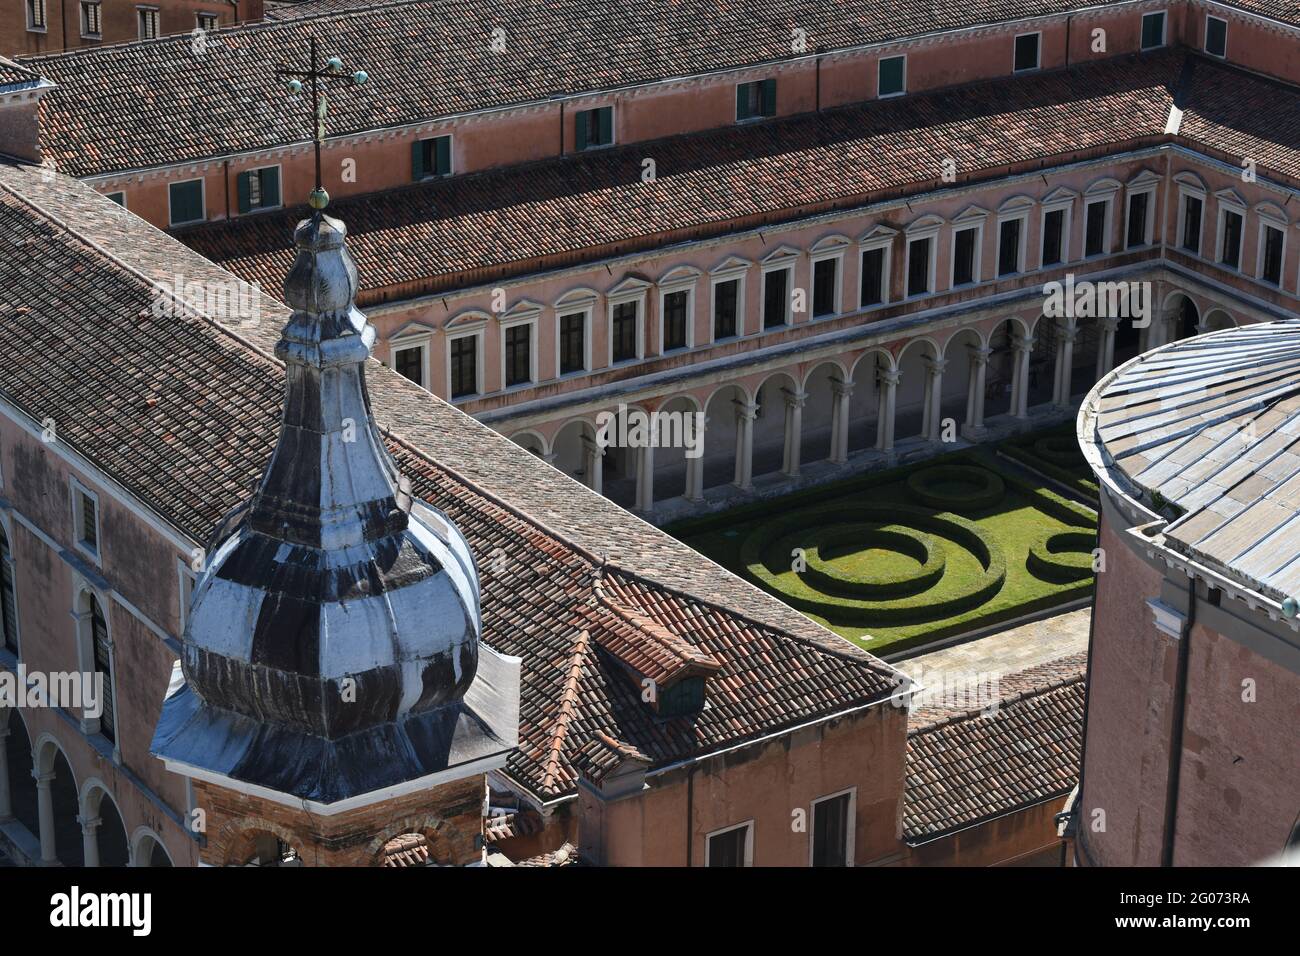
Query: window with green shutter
[186, 202]
[431, 157]
[259, 189]
[755, 100]
[593, 128]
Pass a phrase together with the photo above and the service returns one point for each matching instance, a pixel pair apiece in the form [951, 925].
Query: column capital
[935, 366]
[43, 780]
[1067, 334]
[794, 399]
[1022, 343]
[89, 824]
[841, 389]
[978, 356]
[747, 411]
[890, 376]
[1110, 323]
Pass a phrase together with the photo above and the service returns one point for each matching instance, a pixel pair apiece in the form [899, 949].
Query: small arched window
[104, 667]
[8, 603]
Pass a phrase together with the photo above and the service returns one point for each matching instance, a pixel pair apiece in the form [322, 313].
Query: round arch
[1217, 319]
[110, 839]
[148, 849]
[256, 841]
[818, 417]
[51, 761]
[913, 373]
[769, 421]
[673, 435]
[532, 441]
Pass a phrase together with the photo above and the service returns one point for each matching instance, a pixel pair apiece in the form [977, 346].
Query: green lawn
[877, 560]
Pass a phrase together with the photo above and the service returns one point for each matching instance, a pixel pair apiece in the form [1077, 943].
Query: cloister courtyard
[897, 559]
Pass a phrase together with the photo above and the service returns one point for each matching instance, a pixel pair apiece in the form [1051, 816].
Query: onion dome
[335, 630]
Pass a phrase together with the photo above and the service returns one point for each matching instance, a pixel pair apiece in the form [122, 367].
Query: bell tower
[334, 704]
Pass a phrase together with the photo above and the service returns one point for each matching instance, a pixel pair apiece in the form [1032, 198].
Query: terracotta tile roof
[11, 74]
[587, 206]
[970, 768]
[603, 753]
[566, 855]
[1007, 685]
[135, 105]
[506, 826]
[409, 849]
[182, 415]
[642, 644]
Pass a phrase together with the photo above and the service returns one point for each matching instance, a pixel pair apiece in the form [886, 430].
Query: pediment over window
[731, 264]
[828, 243]
[1103, 187]
[780, 254]
[630, 284]
[1059, 195]
[470, 318]
[579, 297]
[1231, 197]
[522, 308]
[1016, 203]
[679, 275]
[879, 233]
[971, 214]
[927, 223]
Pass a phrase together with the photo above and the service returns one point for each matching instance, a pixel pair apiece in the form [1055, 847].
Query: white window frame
[637, 296]
[78, 515]
[7, 527]
[90, 726]
[203, 200]
[1108, 222]
[1267, 221]
[739, 274]
[1226, 206]
[911, 235]
[479, 370]
[510, 323]
[198, 20]
[836, 253]
[403, 343]
[850, 837]
[903, 91]
[748, 825]
[877, 239]
[32, 25]
[1022, 250]
[1147, 188]
[139, 22]
[1186, 191]
[1164, 30]
[585, 308]
[1205, 37]
[977, 266]
[667, 289]
[785, 263]
[81, 16]
[1065, 206]
[1038, 52]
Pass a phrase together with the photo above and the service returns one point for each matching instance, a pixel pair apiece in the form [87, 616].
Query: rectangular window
[206, 21]
[1137, 220]
[148, 23]
[830, 831]
[1026, 57]
[464, 366]
[431, 157]
[1271, 270]
[36, 15]
[1231, 254]
[573, 343]
[91, 20]
[624, 331]
[776, 297]
[8, 600]
[1095, 229]
[1054, 237]
[1192, 206]
[963, 256]
[730, 847]
[186, 202]
[918, 267]
[825, 274]
[1216, 36]
[104, 666]
[873, 277]
[1153, 30]
[675, 309]
[410, 363]
[891, 75]
[1009, 246]
[755, 100]
[87, 522]
[519, 354]
[118, 197]
[259, 189]
[593, 128]
[726, 307]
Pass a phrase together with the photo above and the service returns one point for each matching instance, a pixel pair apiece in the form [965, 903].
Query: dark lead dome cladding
[336, 614]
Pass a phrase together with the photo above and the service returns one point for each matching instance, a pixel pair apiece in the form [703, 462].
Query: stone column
[594, 464]
[794, 402]
[1024, 348]
[90, 839]
[6, 799]
[1064, 365]
[841, 398]
[885, 424]
[645, 477]
[45, 814]
[1106, 347]
[934, 398]
[695, 466]
[745, 414]
[979, 363]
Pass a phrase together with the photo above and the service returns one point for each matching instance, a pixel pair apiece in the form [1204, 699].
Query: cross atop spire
[318, 76]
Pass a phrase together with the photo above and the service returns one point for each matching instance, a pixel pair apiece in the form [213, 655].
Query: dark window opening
[431, 157]
[1153, 30]
[824, 276]
[1054, 237]
[259, 189]
[1232, 223]
[728, 849]
[1026, 52]
[873, 277]
[103, 666]
[675, 317]
[624, 331]
[726, 299]
[8, 600]
[755, 100]
[684, 697]
[918, 267]
[1272, 255]
[1216, 36]
[410, 364]
[519, 354]
[892, 76]
[186, 201]
[1192, 224]
[831, 831]
[776, 297]
[963, 257]
[594, 128]
[573, 344]
[1009, 247]
[1095, 229]
[1137, 220]
[464, 366]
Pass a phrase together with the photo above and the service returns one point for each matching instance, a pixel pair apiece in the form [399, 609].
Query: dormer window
[431, 157]
[594, 128]
[259, 189]
[205, 21]
[684, 697]
[1027, 52]
[755, 100]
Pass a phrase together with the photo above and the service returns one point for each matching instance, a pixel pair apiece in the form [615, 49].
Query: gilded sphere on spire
[318, 199]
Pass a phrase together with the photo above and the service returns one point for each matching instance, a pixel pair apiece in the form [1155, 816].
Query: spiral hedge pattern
[932, 487]
[1062, 556]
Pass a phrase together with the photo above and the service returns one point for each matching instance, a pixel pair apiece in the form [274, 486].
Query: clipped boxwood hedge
[1062, 556]
[925, 549]
[765, 553]
[988, 488]
[1059, 450]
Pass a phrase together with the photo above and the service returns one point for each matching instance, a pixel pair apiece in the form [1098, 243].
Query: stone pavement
[1015, 649]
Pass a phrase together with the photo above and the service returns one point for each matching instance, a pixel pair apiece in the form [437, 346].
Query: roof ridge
[670, 641]
[977, 712]
[567, 705]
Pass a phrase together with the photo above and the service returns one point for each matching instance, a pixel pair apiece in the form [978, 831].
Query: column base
[973, 432]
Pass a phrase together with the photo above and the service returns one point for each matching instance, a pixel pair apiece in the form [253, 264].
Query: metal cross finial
[332, 70]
